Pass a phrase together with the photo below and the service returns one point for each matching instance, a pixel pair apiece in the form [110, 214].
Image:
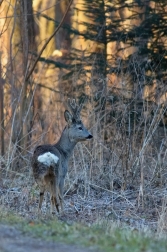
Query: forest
[112, 54]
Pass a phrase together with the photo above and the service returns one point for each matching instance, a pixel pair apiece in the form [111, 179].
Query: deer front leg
[61, 187]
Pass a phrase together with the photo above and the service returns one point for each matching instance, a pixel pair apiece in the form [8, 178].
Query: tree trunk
[1, 111]
[28, 45]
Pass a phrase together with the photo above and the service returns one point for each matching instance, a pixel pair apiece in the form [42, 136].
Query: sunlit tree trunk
[4, 22]
[88, 49]
[2, 147]
[27, 47]
[9, 32]
[119, 51]
[48, 98]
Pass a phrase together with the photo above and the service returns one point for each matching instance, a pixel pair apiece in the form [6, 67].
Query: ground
[123, 206]
[11, 239]
[97, 206]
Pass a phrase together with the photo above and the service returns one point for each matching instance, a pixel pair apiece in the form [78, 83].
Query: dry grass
[120, 175]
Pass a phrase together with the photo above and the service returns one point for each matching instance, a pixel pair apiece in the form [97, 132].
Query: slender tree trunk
[28, 45]
[1, 112]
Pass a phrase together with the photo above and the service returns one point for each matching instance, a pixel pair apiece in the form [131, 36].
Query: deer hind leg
[54, 203]
[41, 196]
[54, 195]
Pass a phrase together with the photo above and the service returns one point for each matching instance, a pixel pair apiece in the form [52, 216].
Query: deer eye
[80, 128]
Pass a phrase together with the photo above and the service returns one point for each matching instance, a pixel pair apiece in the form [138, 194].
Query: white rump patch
[48, 159]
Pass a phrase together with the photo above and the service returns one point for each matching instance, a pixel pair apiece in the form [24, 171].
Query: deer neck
[65, 145]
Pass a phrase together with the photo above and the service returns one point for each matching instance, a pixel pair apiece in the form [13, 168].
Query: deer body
[50, 162]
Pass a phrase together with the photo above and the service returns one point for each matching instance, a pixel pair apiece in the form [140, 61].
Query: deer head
[76, 128]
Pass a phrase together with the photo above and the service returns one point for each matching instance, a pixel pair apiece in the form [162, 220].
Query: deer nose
[90, 136]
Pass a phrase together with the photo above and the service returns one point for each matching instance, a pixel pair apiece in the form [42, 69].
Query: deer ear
[68, 117]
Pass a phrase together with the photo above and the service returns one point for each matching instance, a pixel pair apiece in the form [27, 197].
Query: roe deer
[50, 162]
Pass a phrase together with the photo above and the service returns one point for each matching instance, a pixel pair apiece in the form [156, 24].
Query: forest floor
[90, 220]
[124, 207]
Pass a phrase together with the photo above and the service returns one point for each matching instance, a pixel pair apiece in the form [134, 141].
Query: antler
[75, 108]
